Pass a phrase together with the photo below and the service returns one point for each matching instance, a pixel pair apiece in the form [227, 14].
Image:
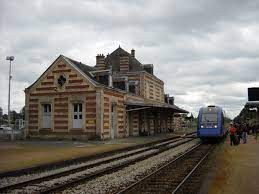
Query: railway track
[61, 164]
[172, 177]
[86, 171]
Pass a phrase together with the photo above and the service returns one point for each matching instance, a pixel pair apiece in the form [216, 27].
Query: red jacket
[233, 130]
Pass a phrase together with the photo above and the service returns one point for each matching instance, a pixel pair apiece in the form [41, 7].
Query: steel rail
[192, 171]
[35, 169]
[159, 169]
[85, 167]
[108, 170]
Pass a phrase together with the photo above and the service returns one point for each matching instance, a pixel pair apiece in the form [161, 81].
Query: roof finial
[119, 46]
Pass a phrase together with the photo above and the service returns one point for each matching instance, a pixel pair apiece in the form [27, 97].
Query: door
[155, 118]
[142, 122]
[113, 120]
[77, 116]
[130, 123]
[46, 116]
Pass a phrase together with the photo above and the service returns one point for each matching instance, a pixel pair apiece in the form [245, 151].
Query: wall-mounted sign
[253, 94]
[90, 121]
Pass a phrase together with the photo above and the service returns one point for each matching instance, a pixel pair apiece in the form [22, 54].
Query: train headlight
[201, 126]
[215, 126]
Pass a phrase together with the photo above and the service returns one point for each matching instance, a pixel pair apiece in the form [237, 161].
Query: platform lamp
[10, 58]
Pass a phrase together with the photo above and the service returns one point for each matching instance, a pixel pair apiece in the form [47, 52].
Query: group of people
[238, 132]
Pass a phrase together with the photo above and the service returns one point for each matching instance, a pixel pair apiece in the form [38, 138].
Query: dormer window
[133, 87]
[119, 84]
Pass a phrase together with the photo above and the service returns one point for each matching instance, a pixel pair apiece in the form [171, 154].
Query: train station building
[118, 97]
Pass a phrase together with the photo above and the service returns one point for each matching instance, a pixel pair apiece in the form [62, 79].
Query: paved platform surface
[237, 169]
[24, 154]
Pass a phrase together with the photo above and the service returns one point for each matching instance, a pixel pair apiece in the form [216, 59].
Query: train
[211, 123]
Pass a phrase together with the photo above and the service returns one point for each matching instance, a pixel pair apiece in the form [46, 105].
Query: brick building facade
[118, 97]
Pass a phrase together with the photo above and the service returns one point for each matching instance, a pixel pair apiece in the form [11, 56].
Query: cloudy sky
[206, 51]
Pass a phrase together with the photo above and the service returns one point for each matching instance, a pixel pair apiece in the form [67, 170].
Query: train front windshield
[209, 118]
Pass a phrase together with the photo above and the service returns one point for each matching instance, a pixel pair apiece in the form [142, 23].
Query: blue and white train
[211, 122]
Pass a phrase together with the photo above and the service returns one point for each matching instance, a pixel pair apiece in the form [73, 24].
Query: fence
[16, 132]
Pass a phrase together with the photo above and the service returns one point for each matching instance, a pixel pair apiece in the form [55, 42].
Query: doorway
[113, 124]
[77, 116]
[46, 116]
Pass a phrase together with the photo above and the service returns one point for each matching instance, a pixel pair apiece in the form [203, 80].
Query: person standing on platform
[253, 128]
[256, 131]
[239, 132]
[232, 131]
[244, 135]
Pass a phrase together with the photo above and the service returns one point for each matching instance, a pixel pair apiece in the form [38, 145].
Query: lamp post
[10, 58]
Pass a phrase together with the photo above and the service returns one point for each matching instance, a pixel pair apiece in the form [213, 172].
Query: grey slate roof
[113, 60]
[152, 105]
[83, 67]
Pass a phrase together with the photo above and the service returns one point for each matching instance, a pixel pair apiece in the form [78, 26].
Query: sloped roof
[153, 105]
[252, 104]
[86, 70]
[83, 67]
[113, 60]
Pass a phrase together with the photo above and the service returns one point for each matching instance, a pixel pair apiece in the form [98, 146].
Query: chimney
[148, 68]
[166, 98]
[171, 100]
[124, 63]
[133, 53]
[100, 64]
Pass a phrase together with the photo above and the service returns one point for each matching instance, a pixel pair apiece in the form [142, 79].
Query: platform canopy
[133, 106]
[252, 104]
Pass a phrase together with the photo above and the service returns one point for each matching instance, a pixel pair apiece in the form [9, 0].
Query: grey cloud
[205, 51]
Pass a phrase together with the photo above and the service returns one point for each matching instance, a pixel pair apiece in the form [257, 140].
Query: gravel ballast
[116, 181]
[17, 179]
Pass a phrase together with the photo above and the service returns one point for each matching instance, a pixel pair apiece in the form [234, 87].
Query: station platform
[236, 168]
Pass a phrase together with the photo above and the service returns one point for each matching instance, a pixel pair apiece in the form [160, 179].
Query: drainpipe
[126, 84]
[110, 78]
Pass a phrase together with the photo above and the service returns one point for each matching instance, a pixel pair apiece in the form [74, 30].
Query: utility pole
[10, 58]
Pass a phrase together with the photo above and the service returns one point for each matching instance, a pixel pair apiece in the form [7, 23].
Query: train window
[209, 118]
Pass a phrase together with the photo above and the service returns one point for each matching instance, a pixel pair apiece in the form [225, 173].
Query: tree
[22, 113]
[15, 116]
[246, 116]
[1, 112]
[5, 117]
